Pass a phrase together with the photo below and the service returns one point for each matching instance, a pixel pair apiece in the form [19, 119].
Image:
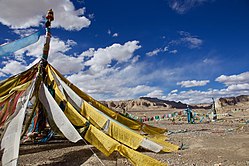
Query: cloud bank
[193, 83]
[19, 15]
[235, 85]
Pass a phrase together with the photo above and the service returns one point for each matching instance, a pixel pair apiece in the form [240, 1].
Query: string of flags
[156, 117]
[196, 116]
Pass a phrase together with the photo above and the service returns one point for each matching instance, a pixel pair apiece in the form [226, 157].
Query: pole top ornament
[50, 15]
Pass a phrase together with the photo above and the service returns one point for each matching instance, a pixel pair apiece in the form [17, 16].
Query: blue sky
[187, 51]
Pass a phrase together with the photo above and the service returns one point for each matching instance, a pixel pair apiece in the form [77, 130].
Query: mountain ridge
[150, 103]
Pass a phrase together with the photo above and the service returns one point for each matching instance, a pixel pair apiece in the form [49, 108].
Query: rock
[217, 164]
[233, 100]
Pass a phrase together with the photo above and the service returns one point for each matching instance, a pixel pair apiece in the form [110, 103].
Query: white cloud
[91, 16]
[115, 35]
[29, 13]
[13, 67]
[181, 7]
[188, 40]
[56, 45]
[24, 32]
[156, 93]
[157, 51]
[234, 79]
[193, 42]
[112, 72]
[195, 96]
[2, 75]
[166, 48]
[236, 85]
[192, 96]
[124, 82]
[135, 59]
[113, 83]
[112, 34]
[174, 91]
[192, 83]
[154, 52]
[67, 64]
[116, 52]
[127, 93]
[173, 51]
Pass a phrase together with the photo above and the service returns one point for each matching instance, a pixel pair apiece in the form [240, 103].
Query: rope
[93, 152]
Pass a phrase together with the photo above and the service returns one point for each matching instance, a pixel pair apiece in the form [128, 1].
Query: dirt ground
[220, 143]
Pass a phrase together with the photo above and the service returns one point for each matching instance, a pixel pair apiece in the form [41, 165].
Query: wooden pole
[41, 69]
[50, 18]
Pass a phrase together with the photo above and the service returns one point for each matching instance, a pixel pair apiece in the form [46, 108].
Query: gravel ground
[225, 142]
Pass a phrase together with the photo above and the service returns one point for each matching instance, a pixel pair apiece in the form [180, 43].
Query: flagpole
[50, 18]
[42, 66]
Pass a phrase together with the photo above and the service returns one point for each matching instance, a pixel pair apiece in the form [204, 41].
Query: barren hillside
[155, 104]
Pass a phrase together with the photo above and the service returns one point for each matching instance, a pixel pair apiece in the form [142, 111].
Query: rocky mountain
[147, 103]
[229, 101]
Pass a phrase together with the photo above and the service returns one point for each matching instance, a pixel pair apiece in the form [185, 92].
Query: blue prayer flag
[12, 47]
